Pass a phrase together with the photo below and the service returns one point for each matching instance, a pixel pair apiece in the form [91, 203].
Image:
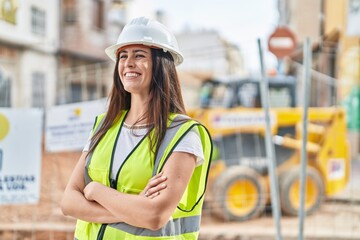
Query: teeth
[131, 74]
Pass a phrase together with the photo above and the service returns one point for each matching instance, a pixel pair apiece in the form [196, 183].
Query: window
[99, 14]
[38, 21]
[76, 93]
[280, 97]
[38, 90]
[5, 90]
[69, 11]
[91, 89]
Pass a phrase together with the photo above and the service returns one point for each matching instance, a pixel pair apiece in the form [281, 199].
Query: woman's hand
[152, 189]
[154, 186]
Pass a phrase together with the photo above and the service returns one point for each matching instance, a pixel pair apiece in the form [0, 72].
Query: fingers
[155, 191]
[152, 195]
[156, 180]
[155, 185]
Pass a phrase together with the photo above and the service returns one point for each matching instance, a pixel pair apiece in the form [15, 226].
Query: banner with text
[68, 126]
[20, 155]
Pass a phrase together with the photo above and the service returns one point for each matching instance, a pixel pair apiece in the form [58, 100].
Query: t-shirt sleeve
[191, 143]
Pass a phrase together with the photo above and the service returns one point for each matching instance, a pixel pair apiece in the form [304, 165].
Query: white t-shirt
[129, 138]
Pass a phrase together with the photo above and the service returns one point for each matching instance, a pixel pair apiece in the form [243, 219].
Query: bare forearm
[135, 210]
[76, 205]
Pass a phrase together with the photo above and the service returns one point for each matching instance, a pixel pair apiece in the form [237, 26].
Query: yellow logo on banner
[4, 126]
[77, 112]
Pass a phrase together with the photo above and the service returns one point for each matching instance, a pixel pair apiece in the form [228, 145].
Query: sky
[241, 22]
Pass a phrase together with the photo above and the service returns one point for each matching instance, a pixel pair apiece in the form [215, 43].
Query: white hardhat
[147, 32]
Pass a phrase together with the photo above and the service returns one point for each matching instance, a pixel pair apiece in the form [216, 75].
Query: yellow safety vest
[134, 174]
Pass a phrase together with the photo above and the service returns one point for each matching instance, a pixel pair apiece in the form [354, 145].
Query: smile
[131, 74]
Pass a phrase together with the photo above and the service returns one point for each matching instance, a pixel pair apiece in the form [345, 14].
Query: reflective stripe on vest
[169, 134]
[173, 227]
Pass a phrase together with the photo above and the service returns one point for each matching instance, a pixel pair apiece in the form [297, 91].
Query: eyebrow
[134, 51]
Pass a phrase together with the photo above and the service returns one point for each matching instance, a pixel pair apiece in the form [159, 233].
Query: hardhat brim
[111, 51]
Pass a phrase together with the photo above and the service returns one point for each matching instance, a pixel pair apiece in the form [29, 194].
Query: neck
[137, 110]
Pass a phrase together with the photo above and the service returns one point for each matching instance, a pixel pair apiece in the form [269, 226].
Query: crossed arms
[151, 209]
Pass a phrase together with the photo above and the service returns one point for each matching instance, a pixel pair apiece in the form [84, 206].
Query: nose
[129, 62]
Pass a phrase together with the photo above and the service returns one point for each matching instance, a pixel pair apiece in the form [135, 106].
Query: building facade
[28, 43]
[84, 33]
[52, 52]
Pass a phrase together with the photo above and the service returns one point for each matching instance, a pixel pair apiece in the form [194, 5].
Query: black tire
[290, 194]
[239, 194]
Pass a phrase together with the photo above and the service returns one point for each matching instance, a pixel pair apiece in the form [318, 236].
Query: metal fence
[238, 202]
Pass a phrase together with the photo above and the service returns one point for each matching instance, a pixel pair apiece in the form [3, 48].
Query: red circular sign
[282, 42]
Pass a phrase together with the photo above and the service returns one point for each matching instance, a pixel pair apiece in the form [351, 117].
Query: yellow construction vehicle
[239, 184]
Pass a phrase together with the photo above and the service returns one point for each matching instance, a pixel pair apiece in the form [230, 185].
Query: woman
[146, 164]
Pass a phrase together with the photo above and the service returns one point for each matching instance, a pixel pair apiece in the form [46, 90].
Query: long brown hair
[165, 98]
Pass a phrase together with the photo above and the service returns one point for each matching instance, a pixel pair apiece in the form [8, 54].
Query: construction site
[286, 138]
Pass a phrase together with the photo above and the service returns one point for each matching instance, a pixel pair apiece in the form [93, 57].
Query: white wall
[31, 62]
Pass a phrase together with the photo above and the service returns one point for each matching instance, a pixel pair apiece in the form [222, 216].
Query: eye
[139, 56]
[123, 56]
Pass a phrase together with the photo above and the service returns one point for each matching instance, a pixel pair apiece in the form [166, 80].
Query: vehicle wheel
[290, 191]
[239, 194]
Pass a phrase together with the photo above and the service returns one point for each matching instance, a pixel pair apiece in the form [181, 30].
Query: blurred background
[55, 78]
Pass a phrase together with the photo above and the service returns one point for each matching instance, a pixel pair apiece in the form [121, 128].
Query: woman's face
[135, 69]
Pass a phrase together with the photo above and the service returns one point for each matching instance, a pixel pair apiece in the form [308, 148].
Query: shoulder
[182, 118]
[185, 121]
[178, 116]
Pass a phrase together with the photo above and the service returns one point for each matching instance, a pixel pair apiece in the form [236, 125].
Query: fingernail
[163, 185]
[163, 177]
